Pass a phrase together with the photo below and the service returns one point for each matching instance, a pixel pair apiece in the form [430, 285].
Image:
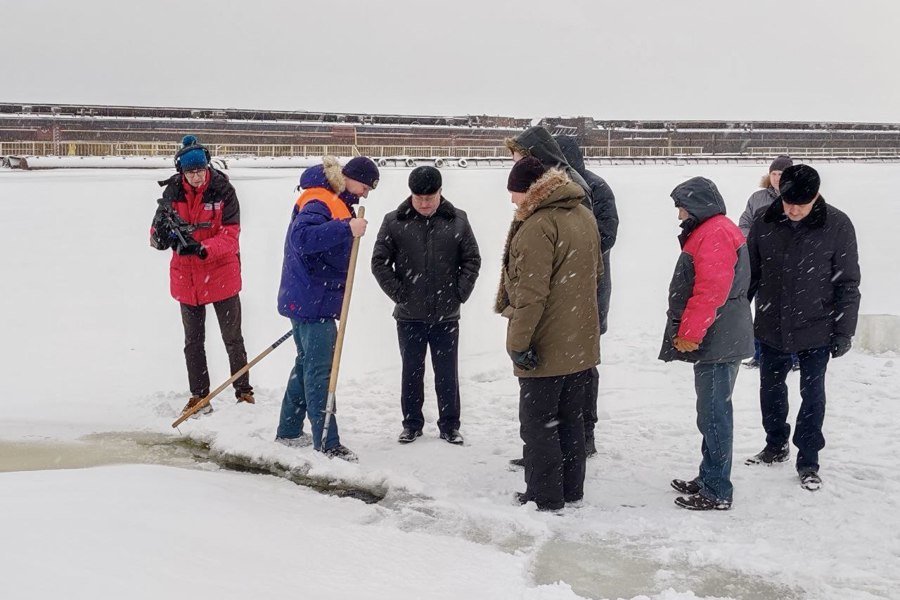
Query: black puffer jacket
[602, 198]
[428, 266]
[805, 277]
[541, 145]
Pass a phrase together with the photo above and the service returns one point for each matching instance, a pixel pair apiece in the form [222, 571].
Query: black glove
[840, 345]
[161, 238]
[160, 241]
[524, 360]
[192, 247]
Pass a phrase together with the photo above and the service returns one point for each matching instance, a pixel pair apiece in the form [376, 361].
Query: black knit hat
[363, 170]
[524, 173]
[799, 184]
[781, 163]
[424, 181]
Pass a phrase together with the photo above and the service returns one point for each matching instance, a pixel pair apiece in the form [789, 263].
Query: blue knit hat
[192, 155]
[363, 170]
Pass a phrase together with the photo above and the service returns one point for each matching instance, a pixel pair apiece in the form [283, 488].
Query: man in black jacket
[805, 275]
[603, 203]
[426, 260]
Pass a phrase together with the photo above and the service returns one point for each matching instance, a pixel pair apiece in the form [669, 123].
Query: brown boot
[246, 397]
[193, 402]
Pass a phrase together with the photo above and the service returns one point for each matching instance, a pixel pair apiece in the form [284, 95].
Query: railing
[168, 149]
[823, 152]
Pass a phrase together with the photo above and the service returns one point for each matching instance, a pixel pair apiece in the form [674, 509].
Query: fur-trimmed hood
[553, 188]
[327, 175]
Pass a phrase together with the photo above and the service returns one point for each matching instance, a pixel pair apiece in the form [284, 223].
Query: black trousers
[193, 318]
[774, 366]
[443, 340]
[551, 425]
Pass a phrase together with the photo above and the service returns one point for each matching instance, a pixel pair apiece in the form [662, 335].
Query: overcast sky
[824, 60]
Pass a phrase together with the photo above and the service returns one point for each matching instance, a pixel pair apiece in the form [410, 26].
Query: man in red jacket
[708, 324]
[199, 219]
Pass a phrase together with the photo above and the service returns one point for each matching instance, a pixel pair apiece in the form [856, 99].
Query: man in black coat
[603, 203]
[426, 260]
[805, 276]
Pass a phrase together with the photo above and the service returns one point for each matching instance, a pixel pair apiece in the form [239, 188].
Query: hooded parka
[708, 301]
[549, 282]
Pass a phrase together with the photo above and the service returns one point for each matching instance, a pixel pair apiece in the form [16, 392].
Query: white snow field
[92, 344]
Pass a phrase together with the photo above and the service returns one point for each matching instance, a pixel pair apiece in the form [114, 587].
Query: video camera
[171, 231]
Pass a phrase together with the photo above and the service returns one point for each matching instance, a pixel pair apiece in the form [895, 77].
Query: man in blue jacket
[313, 278]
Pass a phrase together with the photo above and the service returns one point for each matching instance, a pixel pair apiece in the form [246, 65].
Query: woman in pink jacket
[199, 219]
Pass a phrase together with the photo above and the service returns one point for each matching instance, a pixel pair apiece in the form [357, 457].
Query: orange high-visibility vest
[334, 203]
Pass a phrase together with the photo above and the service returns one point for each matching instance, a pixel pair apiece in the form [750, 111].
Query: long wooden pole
[188, 414]
[342, 327]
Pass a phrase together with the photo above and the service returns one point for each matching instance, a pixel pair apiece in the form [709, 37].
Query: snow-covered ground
[92, 343]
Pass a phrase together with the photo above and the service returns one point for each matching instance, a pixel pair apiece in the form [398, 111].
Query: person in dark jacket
[709, 324]
[426, 260]
[549, 294]
[205, 266]
[313, 278]
[805, 278]
[537, 142]
[757, 204]
[603, 203]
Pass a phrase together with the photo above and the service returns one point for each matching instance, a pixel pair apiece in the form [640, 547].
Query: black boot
[685, 487]
[770, 456]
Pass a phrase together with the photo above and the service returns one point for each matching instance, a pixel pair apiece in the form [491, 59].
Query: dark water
[153, 448]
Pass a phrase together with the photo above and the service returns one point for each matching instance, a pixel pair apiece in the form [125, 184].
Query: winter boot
[522, 498]
[192, 403]
[685, 487]
[341, 452]
[751, 364]
[517, 463]
[301, 441]
[810, 481]
[246, 397]
[701, 502]
[407, 436]
[770, 456]
[453, 437]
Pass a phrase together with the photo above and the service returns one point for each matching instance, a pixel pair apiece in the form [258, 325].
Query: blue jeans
[773, 399]
[307, 388]
[714, 383]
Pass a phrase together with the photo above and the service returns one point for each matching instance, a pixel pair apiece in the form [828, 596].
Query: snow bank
[878, 333]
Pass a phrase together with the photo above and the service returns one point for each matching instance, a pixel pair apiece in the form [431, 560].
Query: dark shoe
[341, 452]
[770, 456]
[408, 436]
[192, 403]
[795, 366]
[517, 463]
[453, 437]
[246, 397]
[301, 441]
[751, 364]
[810, 481]
[685, 487]
[522, 498]
[701, 502]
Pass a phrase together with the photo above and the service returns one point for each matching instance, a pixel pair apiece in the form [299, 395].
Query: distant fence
[168, 149]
